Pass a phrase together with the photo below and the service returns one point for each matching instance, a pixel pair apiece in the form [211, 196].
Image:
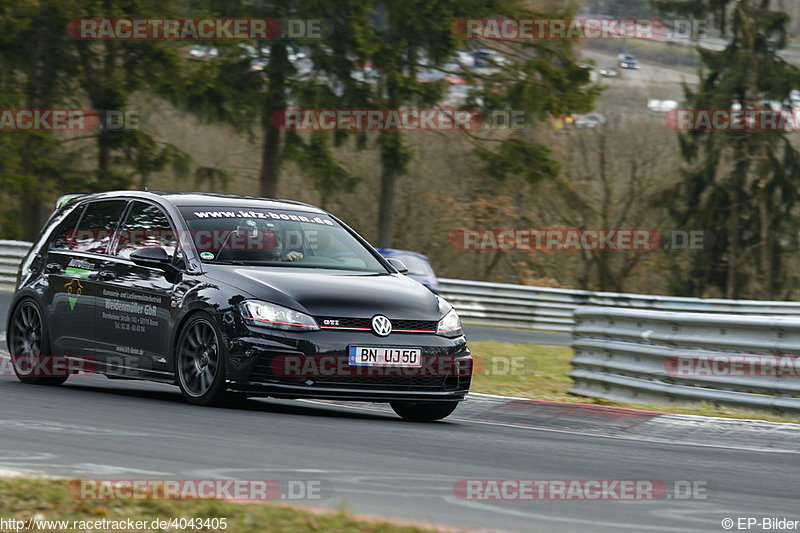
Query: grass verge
[540, 373]
[48, 499]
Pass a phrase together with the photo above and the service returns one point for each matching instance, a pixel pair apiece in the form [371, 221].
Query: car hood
[333, 293]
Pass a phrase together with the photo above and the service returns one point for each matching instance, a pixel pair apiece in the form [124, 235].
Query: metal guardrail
[652, 357]
[521, 306]
[506, 305]
[11, 254]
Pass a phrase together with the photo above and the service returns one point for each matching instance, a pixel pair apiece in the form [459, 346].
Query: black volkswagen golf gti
[230, 296]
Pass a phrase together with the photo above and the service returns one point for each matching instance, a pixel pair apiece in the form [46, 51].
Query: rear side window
[96, 228]
[65, 235]
[145, 225]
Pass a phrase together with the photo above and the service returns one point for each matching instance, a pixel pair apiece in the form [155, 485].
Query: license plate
[384, 356]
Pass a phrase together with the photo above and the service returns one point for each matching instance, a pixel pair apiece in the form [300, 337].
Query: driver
[291, 255]
[247, 242]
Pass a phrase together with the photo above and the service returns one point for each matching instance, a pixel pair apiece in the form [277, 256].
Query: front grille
[413, 326]
[424, 325]
[402, 382]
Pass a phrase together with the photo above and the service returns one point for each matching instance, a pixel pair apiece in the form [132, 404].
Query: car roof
[200, 199]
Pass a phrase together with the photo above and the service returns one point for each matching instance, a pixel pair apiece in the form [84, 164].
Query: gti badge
[381, 325]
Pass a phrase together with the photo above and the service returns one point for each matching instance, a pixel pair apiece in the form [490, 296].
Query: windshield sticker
[263, 214]
[206, 255]
[80, 264]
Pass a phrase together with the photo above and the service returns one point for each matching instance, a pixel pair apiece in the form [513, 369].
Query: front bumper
[313, 364]
[376, 394]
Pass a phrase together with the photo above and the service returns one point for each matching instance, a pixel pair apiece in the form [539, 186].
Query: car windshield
[255, 236]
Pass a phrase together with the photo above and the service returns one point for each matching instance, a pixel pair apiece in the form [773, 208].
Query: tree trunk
[386, 208]
[731, 288]
[761, 161]
[270, 151]
[275, 100]
[764, 248]
[103, 156]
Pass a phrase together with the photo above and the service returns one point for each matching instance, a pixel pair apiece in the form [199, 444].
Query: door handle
[106, 275]
[54, 268]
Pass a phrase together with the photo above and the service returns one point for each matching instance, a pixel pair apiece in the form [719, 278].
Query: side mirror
[156, 257]
[398, 265]
[153, 257]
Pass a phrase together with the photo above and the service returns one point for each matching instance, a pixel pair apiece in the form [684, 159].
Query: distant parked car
[608, 72]
[465, 59]
[661, 106]
[628, 61]
[591, 120]
[203, 52]
[488, 61]
[459, 95]
[419, 267]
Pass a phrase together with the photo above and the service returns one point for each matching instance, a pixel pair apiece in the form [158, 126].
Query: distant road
[650, 75]
[517, 336]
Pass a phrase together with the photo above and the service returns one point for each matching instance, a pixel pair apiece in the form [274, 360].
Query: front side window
[146, 225]
[255, 236]
[96, 228]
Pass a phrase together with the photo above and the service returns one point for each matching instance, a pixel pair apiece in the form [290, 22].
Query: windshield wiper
[292, 264]
[251, 263]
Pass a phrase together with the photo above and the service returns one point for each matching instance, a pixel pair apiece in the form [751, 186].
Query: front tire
[423, 411]
[28, 341]
[200, 361]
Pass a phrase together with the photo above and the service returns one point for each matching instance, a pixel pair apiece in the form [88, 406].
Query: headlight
[275, 316]
[450, 323]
